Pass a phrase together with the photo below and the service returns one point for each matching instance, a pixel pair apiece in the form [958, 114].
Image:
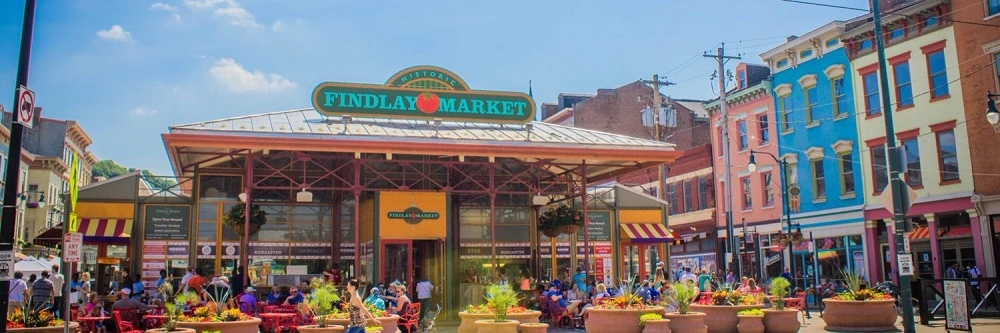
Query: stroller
[427, 323]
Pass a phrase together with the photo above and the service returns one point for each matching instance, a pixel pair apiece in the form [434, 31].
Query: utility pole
[898, 188]
[12, 177]
[731, 244]
[662, 170]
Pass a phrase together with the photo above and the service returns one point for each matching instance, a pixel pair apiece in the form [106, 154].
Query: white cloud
[278, 25]
[115, 33]
[167, 8]
[141, 111]
[234, 77]
[227, 9]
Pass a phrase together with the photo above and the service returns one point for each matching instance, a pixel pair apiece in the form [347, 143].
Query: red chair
[124, 325]
[557, 313]
[409, 321]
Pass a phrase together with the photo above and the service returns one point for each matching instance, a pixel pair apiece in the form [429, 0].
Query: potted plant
[684, 320]
[654, 323]
[751, 321]
[236, 217]
[322, 303]
[779, 319]
[620, 314]
[173, 309]
[562, 219]
[215, 316]
[389, 321]
[499, 298]
[858, 309]
[723, 307]
[36, 320]
[533, 327]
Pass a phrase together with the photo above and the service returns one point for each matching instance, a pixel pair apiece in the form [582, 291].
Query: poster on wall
[167, 222]
[599, 227]
[859, 262]
[956, 300]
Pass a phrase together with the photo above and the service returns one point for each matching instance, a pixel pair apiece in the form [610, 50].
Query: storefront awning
[919, 233]
[648, 233]
[93, 230]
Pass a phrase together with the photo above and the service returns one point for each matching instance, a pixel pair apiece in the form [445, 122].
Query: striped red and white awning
[648, 233]
[93, 229]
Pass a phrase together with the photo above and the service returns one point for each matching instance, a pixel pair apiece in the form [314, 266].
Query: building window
[768, 185]
[672, 200]
[782, 63]
[879, 170]
[938, 72]
[791, 174]
[744, 140]
[819, 179]
[839, 97]
[747, 195]
[832, 42]
[846, 174]
[870, 83]
[992, 7]
[742, 75]
[785, 105]
[996, 63]
[688, 197]
[947, 155]
[904, 88]
[703, 194]
[865, 44]
[898, 33]
[812, 102]
[911, 152]
[765, 131]
[806, 53]
[931, 21]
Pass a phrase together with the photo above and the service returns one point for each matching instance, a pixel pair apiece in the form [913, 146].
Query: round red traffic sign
[26, 105]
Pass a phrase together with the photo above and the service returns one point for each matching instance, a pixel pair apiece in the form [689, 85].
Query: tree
[110, 169]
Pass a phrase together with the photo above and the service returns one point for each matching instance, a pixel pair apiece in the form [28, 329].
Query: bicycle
[892, 290]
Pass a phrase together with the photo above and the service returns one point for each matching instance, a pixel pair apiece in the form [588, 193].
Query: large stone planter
[617, 321]
[316, 329]
[533, 327]
[243, 326]
[860, 316]
[722, 318]
[390, 324]
[781, 321]
[490, 326]
[525, 317]
[657, 326]
[468, 324]
[176, 330]
[73, 326]
[751, 324]
[342, 322]
[691, 322]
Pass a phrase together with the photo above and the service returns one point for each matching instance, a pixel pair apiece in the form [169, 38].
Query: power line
[890, 14]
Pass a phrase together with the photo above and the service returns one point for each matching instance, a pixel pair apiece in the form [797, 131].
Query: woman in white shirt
[83, 289]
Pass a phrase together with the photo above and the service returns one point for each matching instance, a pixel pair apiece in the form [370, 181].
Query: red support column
[873, 249]
[586, 218]
[356, 188]
[977, 238]
[493, 222]
[245, 242]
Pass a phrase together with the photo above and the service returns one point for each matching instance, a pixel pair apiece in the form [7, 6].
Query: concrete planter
[525, 317]
[722, 318]
[73, 326]
[490, 326]
[533, 327]
[243, 326]
[691, 322]
[316, 329]
[657, 326]
[781, 321]
[390, 324]
[860, 316]
[751, 324]
[617, 320]
[468, 324]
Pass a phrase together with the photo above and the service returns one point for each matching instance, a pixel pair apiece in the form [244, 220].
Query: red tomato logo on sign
[428, 102]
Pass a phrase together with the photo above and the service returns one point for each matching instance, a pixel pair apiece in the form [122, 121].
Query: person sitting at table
[94, 308]
[125, 302]
[402, 301]
[247, 301]
[276, 297]
[750, 288]
[294, 297]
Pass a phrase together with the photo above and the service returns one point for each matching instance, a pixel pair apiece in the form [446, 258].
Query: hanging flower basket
[236, 217]
[569, 229]
[551, 233]
[563, 219]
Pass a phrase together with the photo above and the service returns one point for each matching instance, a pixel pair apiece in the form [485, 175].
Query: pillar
[977, 238]
[872, 247]
[935, 245]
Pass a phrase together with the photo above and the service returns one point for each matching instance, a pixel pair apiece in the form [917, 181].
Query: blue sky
[126, 70]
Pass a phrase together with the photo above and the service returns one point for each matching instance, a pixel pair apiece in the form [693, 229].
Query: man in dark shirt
[236, 283]
[42, 292]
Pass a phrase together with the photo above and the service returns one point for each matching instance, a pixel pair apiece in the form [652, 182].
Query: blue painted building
[818, 139]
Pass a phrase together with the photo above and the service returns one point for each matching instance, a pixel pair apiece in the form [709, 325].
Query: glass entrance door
[397, 261]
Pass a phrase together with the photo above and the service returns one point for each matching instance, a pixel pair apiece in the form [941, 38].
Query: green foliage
[852, 282]
[779, 289]
[324, 295]
[686, 292]
[561, 216]
[159, 182]
[110, 169]
[649, 316]
[752, 312]
[500, 298]
[235, 216]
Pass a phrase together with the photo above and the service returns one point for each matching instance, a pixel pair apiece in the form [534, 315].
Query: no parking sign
[25, 106]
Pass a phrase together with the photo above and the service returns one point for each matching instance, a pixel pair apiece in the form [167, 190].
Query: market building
[419, 177]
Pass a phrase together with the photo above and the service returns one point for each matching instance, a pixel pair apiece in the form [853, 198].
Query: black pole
[10, 196]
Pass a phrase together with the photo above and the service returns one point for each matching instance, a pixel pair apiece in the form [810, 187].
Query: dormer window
[930, 21]
[782, 63]
[897, 33]
[865, 44]
[742, 77]
[806, 53]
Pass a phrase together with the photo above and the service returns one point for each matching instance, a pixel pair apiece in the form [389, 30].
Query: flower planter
[73, 326]
[781, 321]
[617, 320]
[751, 324]
[722, 318]
[533, 327]
[657, 326]
[490, 326]
[390, 324]
[525, 317]
[691, 322]
[468, 324]
[569, 229]
[551, 233]
[176, 330]
[860, 316]
[342, 322]
[316, 329]
[243, 326]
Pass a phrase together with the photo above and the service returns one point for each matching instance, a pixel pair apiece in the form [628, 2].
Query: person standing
[580, 279]
[184, 280]
[163, 278]
[18, 288]
[704, 281]
[58, 281]
[41, 292]
[688, 276]
[357, 312]
[424, 288]
[953, 271]
[236, 283]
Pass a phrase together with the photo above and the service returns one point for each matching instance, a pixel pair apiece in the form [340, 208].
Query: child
[94, 309]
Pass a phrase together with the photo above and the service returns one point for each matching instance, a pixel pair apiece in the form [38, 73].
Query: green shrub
[752, 312]
[649, 316]
[779, 289]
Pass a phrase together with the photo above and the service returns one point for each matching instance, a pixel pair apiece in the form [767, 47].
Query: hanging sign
[25, 106]
[905, 261]
[423, 92]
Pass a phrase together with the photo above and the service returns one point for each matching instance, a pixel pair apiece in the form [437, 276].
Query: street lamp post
[752, 167]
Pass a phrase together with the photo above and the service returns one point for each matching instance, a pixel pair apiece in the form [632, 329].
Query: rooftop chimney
[791, 38]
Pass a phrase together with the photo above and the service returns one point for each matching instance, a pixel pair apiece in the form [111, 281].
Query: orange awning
[649, 233]
[919, 233]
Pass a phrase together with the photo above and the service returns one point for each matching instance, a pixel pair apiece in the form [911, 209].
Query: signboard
[599, 227]
[413, 215]
[167, 222]
[956, 304]
[905, 264]
[423, 92]
[25, 106]
[6, 263]
[72, 243]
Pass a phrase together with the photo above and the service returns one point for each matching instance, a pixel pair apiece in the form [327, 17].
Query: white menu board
[956, 304]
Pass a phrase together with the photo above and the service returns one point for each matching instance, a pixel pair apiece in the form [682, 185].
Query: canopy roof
[605, 155]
